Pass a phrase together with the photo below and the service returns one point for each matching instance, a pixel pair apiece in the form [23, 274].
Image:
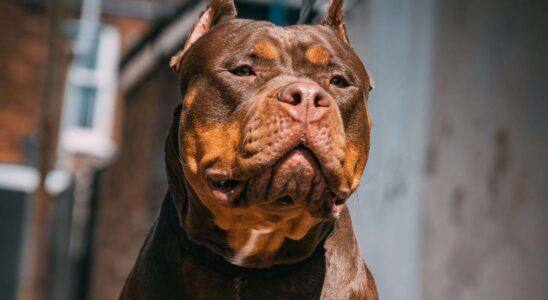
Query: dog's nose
[305, 102]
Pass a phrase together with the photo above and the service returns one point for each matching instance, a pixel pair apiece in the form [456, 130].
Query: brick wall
[133, 187]
[23, 42]
[22, 55]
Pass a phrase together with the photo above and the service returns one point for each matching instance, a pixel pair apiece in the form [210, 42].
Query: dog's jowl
[270, 140]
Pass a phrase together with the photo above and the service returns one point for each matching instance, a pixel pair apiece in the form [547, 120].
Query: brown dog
[271, 139]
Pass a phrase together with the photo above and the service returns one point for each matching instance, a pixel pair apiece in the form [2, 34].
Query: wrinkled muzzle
[292, 153]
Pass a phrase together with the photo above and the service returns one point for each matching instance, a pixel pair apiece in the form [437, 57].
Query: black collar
[216, 262]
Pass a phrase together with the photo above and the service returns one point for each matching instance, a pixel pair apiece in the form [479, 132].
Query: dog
[270, 140]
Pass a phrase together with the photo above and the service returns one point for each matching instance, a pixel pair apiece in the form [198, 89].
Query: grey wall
[454, 200]
[486, 201]
[394, 39]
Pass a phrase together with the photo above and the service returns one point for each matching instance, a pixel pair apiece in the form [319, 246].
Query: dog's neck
[197, 222]
[218, 263]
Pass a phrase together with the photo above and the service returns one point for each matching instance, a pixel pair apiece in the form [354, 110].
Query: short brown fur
[236, 126]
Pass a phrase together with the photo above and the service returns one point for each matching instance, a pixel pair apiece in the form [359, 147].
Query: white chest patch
[247, 249]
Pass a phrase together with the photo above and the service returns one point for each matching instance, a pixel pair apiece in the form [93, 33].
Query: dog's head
[274, 130]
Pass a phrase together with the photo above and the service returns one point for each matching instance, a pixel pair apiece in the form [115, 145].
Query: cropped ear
[217, 12]
[334, 18]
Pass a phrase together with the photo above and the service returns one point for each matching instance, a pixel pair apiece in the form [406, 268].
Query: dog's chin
[294, 181]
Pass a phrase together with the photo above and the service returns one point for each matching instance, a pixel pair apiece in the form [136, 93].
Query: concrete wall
[453, 203]
[394, 39]
[486, 201]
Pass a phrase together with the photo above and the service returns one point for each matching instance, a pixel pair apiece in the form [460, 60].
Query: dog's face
[274, 133]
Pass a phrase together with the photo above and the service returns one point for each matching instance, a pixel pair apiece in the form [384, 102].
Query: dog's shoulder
[347, 276]
[157, 271]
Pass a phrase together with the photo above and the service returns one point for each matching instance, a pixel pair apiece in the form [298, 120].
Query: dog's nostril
[318, 100]
[296, 98]
[321, 100]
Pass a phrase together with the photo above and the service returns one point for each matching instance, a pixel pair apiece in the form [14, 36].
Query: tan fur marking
[354, 164]
[217, 140]
[189, 97]
[266, 50]
[263, 242]
[299, 227]
[318, 55]
[369, 120]
[250, 245]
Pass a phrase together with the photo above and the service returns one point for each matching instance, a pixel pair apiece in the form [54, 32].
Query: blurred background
[454, 201]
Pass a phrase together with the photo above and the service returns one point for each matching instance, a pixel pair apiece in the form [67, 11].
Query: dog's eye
[339, 81]
[243, 71]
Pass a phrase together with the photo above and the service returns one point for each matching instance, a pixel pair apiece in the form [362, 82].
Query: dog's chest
[204, 283]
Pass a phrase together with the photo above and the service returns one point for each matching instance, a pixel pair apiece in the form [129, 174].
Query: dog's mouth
[226, 190]
[294, 180]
